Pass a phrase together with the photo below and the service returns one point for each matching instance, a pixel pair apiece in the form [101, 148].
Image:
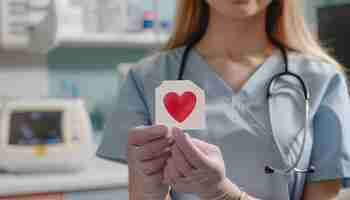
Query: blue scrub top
[239, 122]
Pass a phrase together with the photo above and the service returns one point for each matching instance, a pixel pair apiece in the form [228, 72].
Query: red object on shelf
[149, 19]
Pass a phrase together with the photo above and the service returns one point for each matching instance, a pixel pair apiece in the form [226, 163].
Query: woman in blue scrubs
[233, 61]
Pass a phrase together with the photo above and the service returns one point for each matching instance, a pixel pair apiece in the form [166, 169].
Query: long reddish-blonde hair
[290, 28]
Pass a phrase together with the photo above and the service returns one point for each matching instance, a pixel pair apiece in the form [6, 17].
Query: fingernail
[176, 131]
[173, 129]
[186, 134]
[168, 149]
[171, 141]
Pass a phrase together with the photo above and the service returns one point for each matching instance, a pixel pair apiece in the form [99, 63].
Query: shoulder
[320, 76]
[313, 67]
[161, 65]
[151, 71]
[318, 73]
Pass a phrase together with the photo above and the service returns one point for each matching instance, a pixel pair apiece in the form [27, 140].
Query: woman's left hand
[196, 167]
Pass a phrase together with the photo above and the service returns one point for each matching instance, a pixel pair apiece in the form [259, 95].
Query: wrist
[161, 193]
[163, 196]
[221, 191]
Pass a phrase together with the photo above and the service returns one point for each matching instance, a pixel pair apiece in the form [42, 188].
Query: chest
[234, 73]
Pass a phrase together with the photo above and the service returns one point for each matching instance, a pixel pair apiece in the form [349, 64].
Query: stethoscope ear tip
[312, 169]
[269, 170]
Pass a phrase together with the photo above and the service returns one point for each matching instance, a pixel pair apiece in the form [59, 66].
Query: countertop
[101, 174]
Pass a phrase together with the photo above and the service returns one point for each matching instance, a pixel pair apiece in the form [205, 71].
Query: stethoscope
[306, 96]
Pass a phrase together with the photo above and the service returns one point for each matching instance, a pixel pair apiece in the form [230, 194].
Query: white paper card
[180, 103]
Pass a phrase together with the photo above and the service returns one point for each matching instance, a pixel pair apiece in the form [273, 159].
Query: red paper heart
[180, 107]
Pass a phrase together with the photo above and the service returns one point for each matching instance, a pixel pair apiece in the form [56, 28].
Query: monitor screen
[334, 30]
[35, 128]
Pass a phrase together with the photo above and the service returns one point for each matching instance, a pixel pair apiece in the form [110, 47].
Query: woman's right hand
[149, 148]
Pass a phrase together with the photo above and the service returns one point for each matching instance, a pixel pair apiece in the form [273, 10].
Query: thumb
[202, 146]
[191, 152]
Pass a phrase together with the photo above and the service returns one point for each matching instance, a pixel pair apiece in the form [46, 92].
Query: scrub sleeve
[131, 111]
[331, 149]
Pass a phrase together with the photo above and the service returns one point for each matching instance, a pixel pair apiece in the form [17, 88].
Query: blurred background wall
[91, 71]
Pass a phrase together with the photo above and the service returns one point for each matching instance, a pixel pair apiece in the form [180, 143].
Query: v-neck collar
[253, 87]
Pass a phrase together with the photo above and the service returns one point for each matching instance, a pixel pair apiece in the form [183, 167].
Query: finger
[142, 135]
[192, 154]
[180, 161]
[173, 172]
[203, 146]
[154, 149]
[153, 179]
[149, 168]
[192, 178]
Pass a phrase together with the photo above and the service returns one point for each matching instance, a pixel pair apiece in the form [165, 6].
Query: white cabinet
[103, 178]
